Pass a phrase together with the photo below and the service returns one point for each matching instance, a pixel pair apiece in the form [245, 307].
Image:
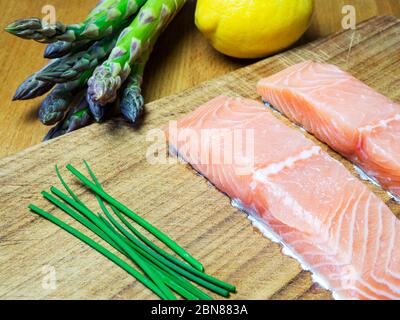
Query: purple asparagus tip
[96, 109]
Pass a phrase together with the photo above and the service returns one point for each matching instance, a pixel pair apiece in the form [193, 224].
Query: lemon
[252, 28]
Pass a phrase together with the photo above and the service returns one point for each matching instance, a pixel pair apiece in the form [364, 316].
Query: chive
[109, 225]
[153, 230]
[166, 262]
[96, 246]
[140, 235]
[192, 292]
[136, 232]
[178, 286]
[87, 223]
[151, 244]
[182, 281]
[69, 190]
[91, 226]
[84, 221]
[162, 262]
[183, 265]
[162, 275]
[132, 254]
[73, 195]
[174, 285]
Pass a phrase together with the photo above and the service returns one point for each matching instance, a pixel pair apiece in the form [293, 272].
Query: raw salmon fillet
[325, 216]
[352, 118]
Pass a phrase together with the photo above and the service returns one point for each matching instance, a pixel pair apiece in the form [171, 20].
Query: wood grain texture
[182, 58]
[171, 196]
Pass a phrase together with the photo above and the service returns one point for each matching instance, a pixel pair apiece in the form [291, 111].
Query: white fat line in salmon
[380, 124]
[286, 250]
[266, 230]
[361, 173]
[261, 174]
[351, 117]
[347, 277]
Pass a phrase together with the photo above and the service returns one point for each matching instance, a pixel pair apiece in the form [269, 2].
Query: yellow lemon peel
[252, 29]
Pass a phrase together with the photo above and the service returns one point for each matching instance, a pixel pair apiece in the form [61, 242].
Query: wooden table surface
[181, 60]
[170, 195]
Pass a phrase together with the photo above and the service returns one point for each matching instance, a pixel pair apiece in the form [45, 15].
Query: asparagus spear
[136, 38]
[100, 23]
[100, 6]
[62, 48]
[32, 87]
[132, 101]
[55, 105]
[70, 67]
[78, 117]
[97, 110]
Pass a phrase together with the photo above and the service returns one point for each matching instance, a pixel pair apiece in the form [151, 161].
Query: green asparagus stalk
[135, 39]
[132, 101]
[79, 116]
[70, 67]
[100, 23]
[101, 6]
[62, 48]
[55, 105]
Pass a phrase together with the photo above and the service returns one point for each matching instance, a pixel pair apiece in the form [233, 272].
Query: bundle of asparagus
[93, 61]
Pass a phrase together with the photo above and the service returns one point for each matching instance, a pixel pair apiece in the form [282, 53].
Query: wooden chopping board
[171, 196]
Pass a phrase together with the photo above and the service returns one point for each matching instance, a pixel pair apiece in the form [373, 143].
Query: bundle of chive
[162, 272]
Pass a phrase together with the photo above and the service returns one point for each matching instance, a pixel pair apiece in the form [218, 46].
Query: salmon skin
[331, 222]
[352, 118]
